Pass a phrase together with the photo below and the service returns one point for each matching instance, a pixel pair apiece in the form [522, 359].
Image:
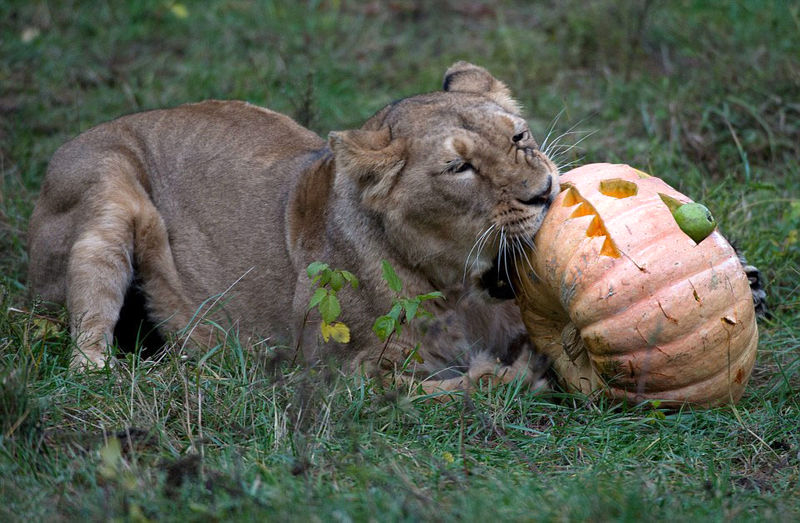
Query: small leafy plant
[328, 283]
[403, 310]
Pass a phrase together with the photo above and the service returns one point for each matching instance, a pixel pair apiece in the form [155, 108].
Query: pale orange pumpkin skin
[660, 316]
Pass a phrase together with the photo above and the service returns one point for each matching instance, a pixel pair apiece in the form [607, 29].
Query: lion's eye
[466, 166]
[519, 136]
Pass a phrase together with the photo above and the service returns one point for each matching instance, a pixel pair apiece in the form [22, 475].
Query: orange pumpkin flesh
[658, 315]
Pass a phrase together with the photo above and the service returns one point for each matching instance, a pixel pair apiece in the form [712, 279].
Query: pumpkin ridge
[674, 392]
[659, 347]
[641, 248]
[623, 359]
[665, 281]
[668, 360]
[645, 202]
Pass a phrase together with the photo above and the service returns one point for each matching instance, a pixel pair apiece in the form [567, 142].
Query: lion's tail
[93, 226]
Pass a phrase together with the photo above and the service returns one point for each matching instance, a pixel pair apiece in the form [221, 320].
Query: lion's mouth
[499, 280]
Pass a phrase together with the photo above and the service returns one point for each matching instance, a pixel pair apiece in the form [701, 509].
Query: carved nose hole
[618, 188]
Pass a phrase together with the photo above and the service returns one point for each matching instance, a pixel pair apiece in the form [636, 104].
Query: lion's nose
[542, 197]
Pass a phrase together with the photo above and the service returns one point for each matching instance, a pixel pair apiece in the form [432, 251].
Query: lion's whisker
[550, 130]
[502, 249]
[514, 256]
[554, 158]
[555, 143]
[486, 239]
[523, 243]
[478, 244]
[570, 164]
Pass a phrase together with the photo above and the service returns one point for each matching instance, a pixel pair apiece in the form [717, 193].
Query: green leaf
[391, 277]
[329, 308]
[411, 307]
[337, 281]
[430, 296]
[314, 268]
[350, 278]
[384, 326]
[423, 313]
[396, 311]
[317, 297]
[324, 277]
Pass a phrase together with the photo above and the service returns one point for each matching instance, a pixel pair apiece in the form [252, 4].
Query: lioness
[226, 198]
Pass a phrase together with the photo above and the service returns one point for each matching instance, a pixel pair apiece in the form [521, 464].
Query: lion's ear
[372, 158]
[465, 77]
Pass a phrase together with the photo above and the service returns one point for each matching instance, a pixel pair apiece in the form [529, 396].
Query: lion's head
[454, 178]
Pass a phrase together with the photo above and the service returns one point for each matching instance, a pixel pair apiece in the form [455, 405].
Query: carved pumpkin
[623, 301]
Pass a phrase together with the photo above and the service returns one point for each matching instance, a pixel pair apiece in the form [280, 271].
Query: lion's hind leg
[161, 284]
[125, 231]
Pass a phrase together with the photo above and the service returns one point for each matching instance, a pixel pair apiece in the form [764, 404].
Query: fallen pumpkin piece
[623, 301]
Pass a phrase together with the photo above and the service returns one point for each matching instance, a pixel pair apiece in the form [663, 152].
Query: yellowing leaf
[29, 34]
[794, 211]
[448, 457]
[136, 514]
[44, 328]
[413, 355]
[337, 330]
[110, 457]
[179, 10]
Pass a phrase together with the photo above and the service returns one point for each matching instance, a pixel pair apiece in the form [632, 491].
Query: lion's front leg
[756, 281]
[528, 369]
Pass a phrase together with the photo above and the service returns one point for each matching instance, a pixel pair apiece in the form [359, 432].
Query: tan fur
[225, 197]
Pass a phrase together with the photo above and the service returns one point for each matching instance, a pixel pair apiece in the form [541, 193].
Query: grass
[703, 94]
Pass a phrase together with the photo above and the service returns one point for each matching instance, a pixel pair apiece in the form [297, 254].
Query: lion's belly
[234, 255]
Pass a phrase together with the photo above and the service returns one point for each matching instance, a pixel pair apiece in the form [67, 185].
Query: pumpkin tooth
[572, 197]
[609, 249]
[583, 209]
[596, 227]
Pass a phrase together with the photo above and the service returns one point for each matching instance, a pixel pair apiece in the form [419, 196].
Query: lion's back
[218, 174]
